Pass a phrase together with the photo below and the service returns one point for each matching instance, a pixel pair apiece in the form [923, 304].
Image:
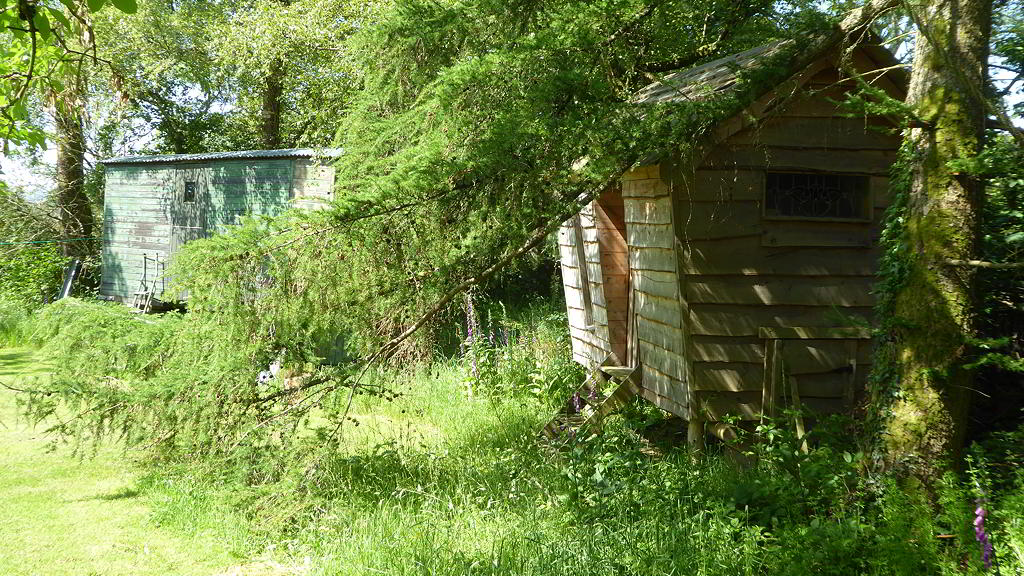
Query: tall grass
[446, 474]
[14, 322]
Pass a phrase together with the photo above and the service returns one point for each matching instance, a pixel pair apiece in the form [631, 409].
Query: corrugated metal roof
[237, 155]
[701, 81]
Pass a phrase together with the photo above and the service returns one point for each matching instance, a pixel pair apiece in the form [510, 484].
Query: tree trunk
[271, 109]
[76, 216]
[933, 306]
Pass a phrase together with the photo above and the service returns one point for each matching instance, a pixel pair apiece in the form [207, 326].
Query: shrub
[32, 274]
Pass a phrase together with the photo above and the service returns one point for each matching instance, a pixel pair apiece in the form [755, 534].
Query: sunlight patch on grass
[81, 516]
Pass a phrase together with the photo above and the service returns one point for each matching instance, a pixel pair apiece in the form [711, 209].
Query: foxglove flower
[981, 535]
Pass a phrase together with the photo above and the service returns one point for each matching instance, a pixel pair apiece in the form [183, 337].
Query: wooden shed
[738, 279]
[155, 204]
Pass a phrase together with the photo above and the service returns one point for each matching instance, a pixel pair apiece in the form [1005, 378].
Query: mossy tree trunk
[933, 307]
[75, 209]
[273, 90]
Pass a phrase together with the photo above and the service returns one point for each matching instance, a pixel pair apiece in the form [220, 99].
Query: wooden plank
[703, 221]
[772, 373]
[814, 235]
[726, 349]
[656, 283]
[880, 195]
[748, 257]
[650, 235]
[662, 335]
[733, 320]
[663, 385]
[665, 361]
[820, 132]
[806, 355]
[814, 290]
[666, 404]
[663, 310]
[648, 210]
[869, 162]
[724, 186]
[571, 277]
[656, 259]
[814, 332]
[835, 385]
[727, 377]
[650, 188]
[716, 406]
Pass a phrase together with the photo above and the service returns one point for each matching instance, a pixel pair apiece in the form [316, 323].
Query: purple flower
[577, 403]
[981, 535]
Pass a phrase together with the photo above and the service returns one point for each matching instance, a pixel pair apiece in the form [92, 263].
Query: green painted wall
[146, 214]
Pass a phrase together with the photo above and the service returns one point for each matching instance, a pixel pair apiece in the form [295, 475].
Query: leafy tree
[40, 46]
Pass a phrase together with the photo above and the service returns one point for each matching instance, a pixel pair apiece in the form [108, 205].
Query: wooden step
[617, 372]
[570, 421]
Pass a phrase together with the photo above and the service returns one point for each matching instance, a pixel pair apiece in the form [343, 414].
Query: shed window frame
[189, 192]
[581, 261]
[867, 200]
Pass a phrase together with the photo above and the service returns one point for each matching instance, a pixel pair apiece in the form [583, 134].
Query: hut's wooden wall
[135, 222]
[657, 306]
[144, 212]
[590, 341]
[312, 183]
[741, 271]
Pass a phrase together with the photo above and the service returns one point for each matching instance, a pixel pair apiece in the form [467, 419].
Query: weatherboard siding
[144, 214]
[656, 303]
[741, 271]
[590, 342]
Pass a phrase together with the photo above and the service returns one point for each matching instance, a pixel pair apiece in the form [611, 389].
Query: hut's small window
[190, 192]
[800, 195]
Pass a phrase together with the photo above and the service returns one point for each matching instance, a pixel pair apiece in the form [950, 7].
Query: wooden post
[853, 347]
[772, 376]
[695, 431]
[800, 430]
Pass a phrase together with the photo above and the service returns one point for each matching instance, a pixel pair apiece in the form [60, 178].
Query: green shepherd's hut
[155, 204]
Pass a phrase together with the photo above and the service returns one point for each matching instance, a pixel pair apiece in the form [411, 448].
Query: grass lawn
[82, 517]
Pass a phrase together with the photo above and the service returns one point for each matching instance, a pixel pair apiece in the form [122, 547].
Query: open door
[610, 217]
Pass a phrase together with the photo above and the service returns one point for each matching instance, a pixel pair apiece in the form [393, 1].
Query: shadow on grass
[15, 362]
[123, 493]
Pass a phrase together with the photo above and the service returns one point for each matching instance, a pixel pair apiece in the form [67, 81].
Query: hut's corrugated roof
[236, 155]
[700, 81]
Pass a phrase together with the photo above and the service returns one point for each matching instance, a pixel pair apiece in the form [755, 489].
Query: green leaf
[126, 6]
[1015, 237]
[95, 5]
[58, 15]
[42, 24]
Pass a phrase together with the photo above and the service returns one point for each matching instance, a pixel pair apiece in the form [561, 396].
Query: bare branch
[986, 264]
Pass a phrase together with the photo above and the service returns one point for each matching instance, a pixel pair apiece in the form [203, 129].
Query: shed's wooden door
[189, 207]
